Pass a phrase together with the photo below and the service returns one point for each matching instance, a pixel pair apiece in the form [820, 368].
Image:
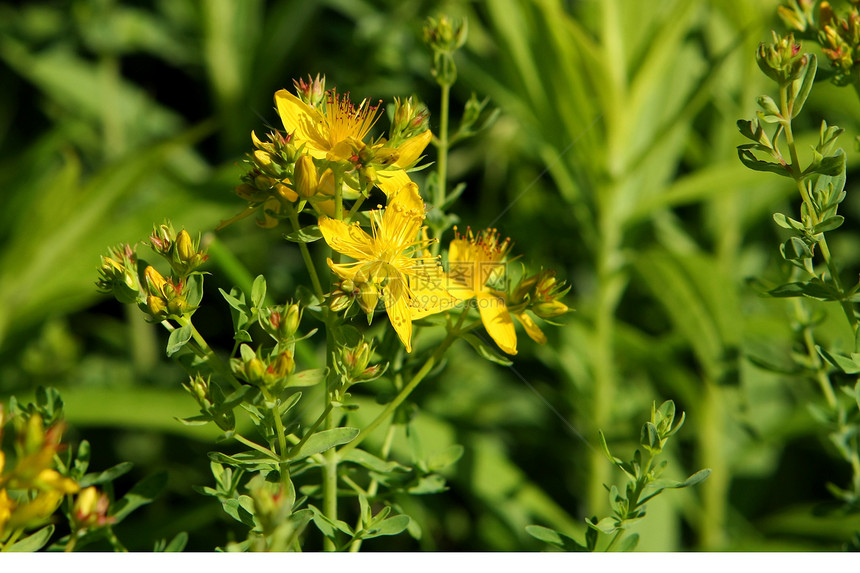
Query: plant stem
[374, 483]
[306, 255]
[297, 447]
[441, 164]
[355, 207]
[279, 424]
[213, 359]
[797, 174]
[331, 455]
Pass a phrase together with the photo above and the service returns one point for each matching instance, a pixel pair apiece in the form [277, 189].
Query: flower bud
[155, 281]
[368, 297]
[293, 316]
[281, 367]
[445, 34]
[90, 509]
[305, 176]
[286, 193]
[312, 91]
[156, 306]
[185, 248]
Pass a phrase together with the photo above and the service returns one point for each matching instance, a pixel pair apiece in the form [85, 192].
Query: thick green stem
[441, 164]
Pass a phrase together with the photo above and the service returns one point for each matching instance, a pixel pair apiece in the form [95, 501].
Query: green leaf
[446, 458]
[141, 494]
[848, 364]
[857, 393]
[485, 350]
[794, 249]
[106, 476]
[32, 542]
[307, 378]
[829, 224]
[831, 165]
[750, 160]
[307, 234]
[554, 537]
[605, 525]
[194, 289]
[628, 543]
[787, 222]
[178, 338]
[391, 526]
[327, 439]
[371, 462]
[258, 291]
[694, 479]
[177, 544]
[327, 526]
[806, 86]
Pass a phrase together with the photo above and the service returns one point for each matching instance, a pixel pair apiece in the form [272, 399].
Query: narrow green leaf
[694, 479]
[307, 234]
[485, 351]
[806, 86]
[32, 542]
[106, 476]
[307, 378]
[848, 364]
[141, 494]
[750, 160]
[371, 462]
[194, 290]
[178, 338]
[554, 537]
[178, 543]
[322, 441]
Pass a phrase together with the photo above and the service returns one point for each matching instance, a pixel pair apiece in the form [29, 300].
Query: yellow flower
[324, 135]
[475, 263]
[337, 133]
[7, 506]
[392, 257]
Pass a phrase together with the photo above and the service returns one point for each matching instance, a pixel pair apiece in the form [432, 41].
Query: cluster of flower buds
[353, 364]
[183, 253]
[118, 274]
[281, 322]
[312, 91]
[268, 183]
[198, 387]
[782, 60]
[542, 293]
[269, 372]
[445, 34]
[410, 119]
[798, 14]
[38, 488]
[165, 298]
[840, 41]
[90, 510]
[356, 290]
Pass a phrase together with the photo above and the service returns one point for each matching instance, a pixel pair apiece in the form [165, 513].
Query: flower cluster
[31, 489]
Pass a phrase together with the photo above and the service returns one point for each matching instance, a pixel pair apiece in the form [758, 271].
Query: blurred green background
[613, 162]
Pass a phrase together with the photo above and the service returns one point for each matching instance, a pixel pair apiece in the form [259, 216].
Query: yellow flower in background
[475, 264]
[391, 257]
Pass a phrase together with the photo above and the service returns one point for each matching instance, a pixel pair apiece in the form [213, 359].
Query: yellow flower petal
[350, 240]
[410, 150]
[304, 123]
[532, 329]
[398, 308]
[403, 216]
[390, 181]
[497, 320]
[429, 295]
